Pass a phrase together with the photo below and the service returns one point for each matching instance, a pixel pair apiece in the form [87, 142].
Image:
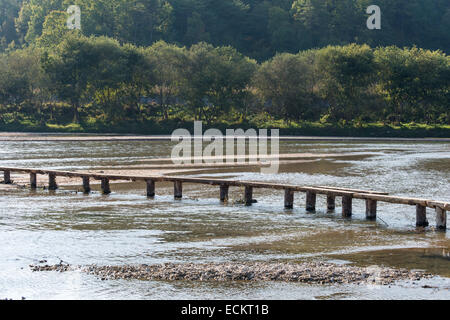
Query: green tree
[167, 62]
[54, 29]
[415, 82]
[8, 11]
[346, 73]
[215, 79]
[22, 80]
[69, 68]
[285, 84]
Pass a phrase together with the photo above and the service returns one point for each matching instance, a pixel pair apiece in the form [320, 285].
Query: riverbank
[308, 272]
[51, 136]
[300, 129]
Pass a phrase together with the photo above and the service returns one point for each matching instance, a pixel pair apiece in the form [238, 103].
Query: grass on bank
[159, 127]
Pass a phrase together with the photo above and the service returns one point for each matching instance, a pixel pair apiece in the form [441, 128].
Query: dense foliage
[256, 28]
[143, 62]
[110, 82]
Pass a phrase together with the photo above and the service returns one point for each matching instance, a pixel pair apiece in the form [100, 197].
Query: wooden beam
[289, 198]
[355, 190]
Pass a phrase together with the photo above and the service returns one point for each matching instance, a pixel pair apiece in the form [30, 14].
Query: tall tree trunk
[76, 115]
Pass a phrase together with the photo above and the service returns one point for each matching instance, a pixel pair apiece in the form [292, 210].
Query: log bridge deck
[347, 195]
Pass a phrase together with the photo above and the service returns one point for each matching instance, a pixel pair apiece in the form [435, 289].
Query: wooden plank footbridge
[371, 197]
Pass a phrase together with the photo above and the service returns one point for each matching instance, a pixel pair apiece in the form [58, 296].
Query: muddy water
[126, 227]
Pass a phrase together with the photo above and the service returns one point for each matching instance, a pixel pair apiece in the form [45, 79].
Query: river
[127, 228]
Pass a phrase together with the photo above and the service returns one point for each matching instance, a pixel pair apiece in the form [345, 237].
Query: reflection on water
[126, 227]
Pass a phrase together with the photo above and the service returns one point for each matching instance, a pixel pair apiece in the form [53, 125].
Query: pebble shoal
[310, 272]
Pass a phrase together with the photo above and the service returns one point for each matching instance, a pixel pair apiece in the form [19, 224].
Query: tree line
[94, 80]
[256, 28]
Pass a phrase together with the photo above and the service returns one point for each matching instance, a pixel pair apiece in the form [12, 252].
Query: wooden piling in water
[248, 195]
[33, 180]
[7, 177]
[224, 189]
[421, 216]
[52, 182]
[86, 185]
[371, 209]
[289, 198]
[346, 206]
[178, 189]
[310, 201]
[106, 189]
[441, 219]
[331, 203]
[150, 188]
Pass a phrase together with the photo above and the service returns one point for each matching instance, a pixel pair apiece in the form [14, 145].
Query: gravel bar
[310, 272]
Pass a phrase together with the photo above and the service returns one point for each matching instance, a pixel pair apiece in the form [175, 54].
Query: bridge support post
[106, 189]
[33, 180]
[288, 198]
[371, 209]
[441, 219]
[7, 177]
[224, 188]
[346, 206]
[86, 185]
[178, 189]
[150, 188]
[248, 195]
[310, 201]
[331, 203]
[421, 216]
[52, 181]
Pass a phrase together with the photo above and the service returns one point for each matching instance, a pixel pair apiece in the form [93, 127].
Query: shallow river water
[127, 228]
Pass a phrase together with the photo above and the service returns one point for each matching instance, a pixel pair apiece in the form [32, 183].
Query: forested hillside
[256, 28]
[150, 66]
